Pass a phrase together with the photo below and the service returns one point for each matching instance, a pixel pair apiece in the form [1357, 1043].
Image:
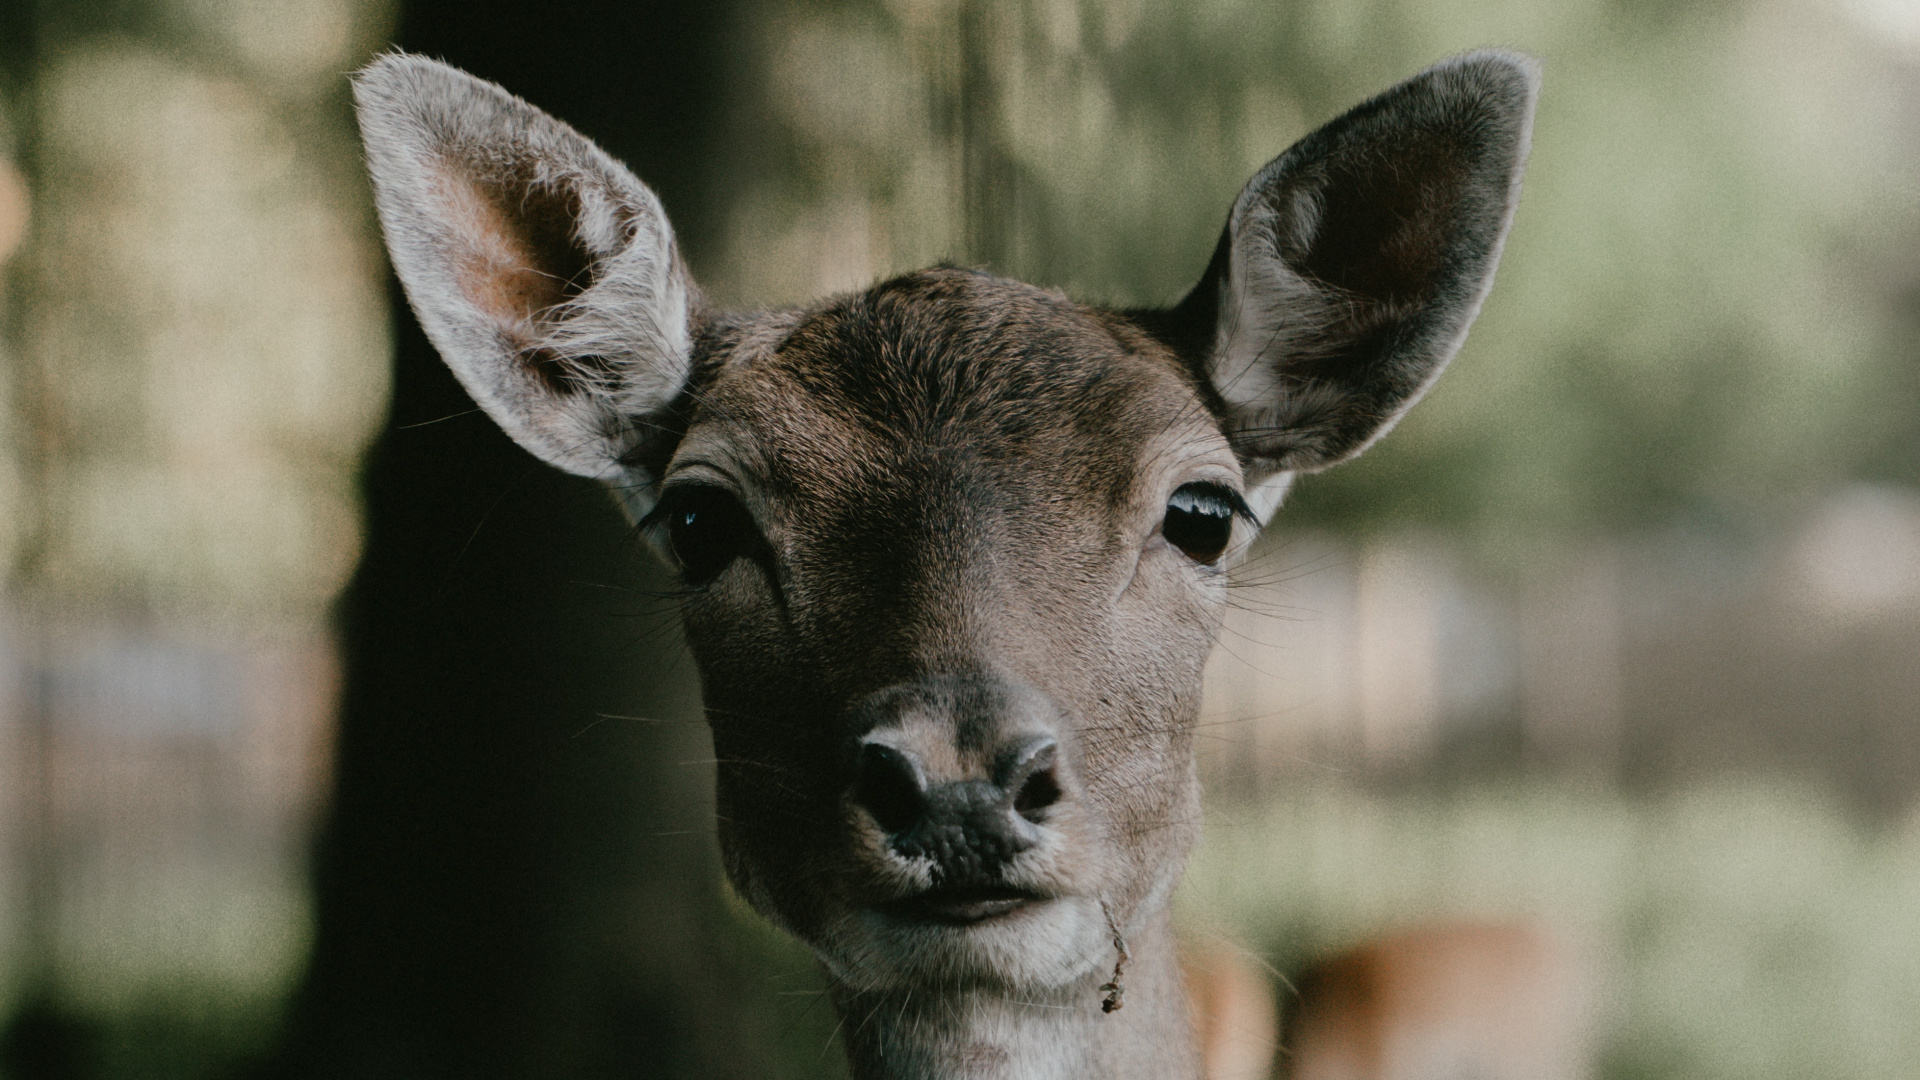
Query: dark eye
[708, 529]
[1200, 520]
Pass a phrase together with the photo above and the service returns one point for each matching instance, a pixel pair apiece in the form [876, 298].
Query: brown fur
[14, 204]
[1493, 1001]
[1235, 1018]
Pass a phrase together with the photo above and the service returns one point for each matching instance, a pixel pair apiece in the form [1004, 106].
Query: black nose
[968, 828]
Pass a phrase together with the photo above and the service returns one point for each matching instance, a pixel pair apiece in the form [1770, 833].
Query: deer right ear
[1353, 264]
[543, 271]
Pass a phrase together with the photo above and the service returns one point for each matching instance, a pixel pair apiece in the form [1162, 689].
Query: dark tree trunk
[508, 885]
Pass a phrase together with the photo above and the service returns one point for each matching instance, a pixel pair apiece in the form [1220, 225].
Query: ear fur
[1353, 264]
[543, 271]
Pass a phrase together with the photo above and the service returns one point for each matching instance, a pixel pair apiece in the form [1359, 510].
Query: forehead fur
[954, 360]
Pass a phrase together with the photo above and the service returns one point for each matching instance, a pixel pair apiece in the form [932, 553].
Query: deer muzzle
[962, 776]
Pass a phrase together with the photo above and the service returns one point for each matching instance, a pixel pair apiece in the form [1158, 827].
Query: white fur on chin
[1036, 948]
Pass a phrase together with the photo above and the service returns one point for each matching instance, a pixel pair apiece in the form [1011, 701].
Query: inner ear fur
[1352, 265]
[543, 271]
[520, 257]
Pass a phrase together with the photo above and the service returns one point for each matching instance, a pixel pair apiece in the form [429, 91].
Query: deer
[1236, 1021]
[1501, 1000]
[953, 549]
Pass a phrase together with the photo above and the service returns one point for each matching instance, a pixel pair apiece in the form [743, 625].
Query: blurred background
[339, 738]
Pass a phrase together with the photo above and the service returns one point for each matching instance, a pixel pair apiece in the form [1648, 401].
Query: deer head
[954, 548]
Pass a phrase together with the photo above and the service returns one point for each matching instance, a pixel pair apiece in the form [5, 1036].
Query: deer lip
[963, 906]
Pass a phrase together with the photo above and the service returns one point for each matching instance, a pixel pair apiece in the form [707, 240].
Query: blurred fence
[1786, 647]
[158, 792]
[195, 354]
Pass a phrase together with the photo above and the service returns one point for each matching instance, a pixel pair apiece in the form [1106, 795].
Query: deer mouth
[963, 906]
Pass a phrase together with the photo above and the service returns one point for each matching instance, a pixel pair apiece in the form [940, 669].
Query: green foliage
[1699, 303]
[174, 1031]
[1742, 931]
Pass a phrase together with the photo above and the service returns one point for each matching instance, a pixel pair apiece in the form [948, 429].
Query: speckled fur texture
[956, 480]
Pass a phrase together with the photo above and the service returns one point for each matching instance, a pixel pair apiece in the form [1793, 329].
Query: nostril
[1039, 792]
[889, 787]
[1036, 781]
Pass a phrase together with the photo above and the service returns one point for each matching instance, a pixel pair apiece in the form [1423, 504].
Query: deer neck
[1063, 1034]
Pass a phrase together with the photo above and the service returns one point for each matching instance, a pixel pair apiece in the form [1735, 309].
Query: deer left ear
[543, 271]
[1353, 264]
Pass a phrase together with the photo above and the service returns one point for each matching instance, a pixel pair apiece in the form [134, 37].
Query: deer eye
[1200, 520]
[707, 528]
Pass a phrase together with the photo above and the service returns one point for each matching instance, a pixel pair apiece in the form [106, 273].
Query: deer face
[953, 547]
[954, 552]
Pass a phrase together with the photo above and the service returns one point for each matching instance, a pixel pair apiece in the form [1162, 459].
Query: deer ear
[1353, 264]
[543, 271]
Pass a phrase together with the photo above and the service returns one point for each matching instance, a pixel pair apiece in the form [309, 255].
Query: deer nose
[968, 828]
